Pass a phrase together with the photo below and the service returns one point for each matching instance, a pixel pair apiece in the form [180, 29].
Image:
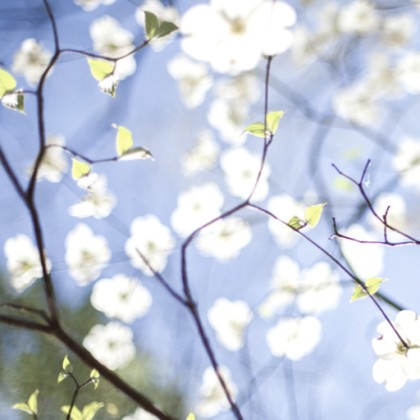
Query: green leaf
[273, 119]
[79, 169]
[15, 101]
[23, 407]
[100, 69]
[136, 153]
[61, 377]
[33, 402]
[7, 82]
[124, 140]
[91, 409]
[372, 285]
[257, 129]
[296, 223]
[94, 376]
[152, 25]
[67, 367]
[75, 412]
[313, 214]
[165, 28]
[190, 416]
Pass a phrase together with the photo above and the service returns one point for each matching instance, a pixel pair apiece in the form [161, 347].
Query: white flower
[53, 164]
[89, 5]
[31, 60]
[397, 31]
[98, 202]
[203, 156]
[359, 17]
[366, 260]
[241, 168]
[112, 344]
[164, 14]
[151, 239]
[233, 35]
[294, 338]
[407, 162]
[397, 363]
[111, 40]
[284, 207]
[193, 80]
[413, 413]
[196, 207]
[408, 72]
[140, 414]
[86, 254]
[23, 262]
[224, 239]
[109, 84]
[121, 297]
[229, 319]
[244, 87]
[213, 399]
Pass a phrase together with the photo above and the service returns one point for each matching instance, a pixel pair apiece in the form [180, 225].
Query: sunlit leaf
[257, 129]
[372, 285]
[23, 407]
[124, 139]
[14, 101]
[62, 376]
[165, 28]
[190, 416]
[313, 214]
[7, 82]
[94, 376]
[100, 69]
[152, 25]
[75, 412]
[91, 409]
[33, 402]
[136, 153]
[296, 223]
[343, 184]
[67, 367]
[273, 119]
[79, 169]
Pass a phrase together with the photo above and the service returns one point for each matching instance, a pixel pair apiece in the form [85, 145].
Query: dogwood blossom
[233, 35]
[152, 240]
[212, 397]
[111, 40]
[241, 169]
[407, 162]
[408, 70]
[229, 320]
[397, 30]
[196, 207]
[112, 344]
[31, 60]
[23, 262]
[398, 361]
[224, 239]
[121, 297]
[413, 413]
[193, 80]
[86, 254]
[358, 17]
[88, 5]
[98, 202]
[140, 414]
[294, 338]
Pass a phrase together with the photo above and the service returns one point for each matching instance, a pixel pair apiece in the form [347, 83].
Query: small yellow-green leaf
[23, 407]
[151, 24]
[91, 409]
[7, 82]
[67, 367]
[94, 376]
[62, 376]
[136, 153]
[313, 214]
[33, 402]
[80, 169]
[343, 184]
[257, 129]
[273, 119]
[15, 101]
[75, 412]
[124, 140]
[296, 223]
[190, 416]
[100, 69]
[372, 285]
[165, 28]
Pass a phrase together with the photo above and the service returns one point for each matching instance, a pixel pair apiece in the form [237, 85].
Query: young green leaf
[75, 412]
[7, 82]
[61, 377]
[124, 140]
[91, 409]
[273, 119]
[23, 407]
[100, 69]
[94, 376]
[67, 367]
[79, 169]
[165, 28]
[152, 25]
[372, 285]
[257, 130]
[33, 402]
[313, 214]
[15, 101]
[296, 223]
[190, 416]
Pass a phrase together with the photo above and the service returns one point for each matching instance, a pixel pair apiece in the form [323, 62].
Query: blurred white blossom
[397, 31]
[121, 297]
[397, 363]
[31, 60]
[408, 72]
[196, 207]
[23, 262]
[407, 162]
[358, 17]
[88, 5]
[140, 414]
[294, 338]
[112, 344]
[86, 254]
[112, 40]
[212, 397]
[233, 35]
[151, 239]
[229, 320]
